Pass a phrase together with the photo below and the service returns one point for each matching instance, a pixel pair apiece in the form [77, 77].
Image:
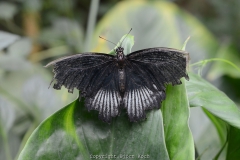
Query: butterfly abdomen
[122, 79]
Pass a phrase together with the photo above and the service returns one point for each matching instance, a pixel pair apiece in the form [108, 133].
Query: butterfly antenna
[51, 83]
[107, 40]
[125, 37]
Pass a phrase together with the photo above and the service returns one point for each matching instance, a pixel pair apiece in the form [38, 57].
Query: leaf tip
[185, 43]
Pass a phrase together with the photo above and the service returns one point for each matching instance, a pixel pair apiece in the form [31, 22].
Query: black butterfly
[136, 82]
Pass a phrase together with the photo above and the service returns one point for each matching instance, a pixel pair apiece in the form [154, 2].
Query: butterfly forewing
[79, 71]
[164, 64]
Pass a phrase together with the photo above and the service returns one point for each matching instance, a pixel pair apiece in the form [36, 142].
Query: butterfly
[136, 82]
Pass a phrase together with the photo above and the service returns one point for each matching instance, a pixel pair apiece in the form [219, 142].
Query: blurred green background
[34, 32]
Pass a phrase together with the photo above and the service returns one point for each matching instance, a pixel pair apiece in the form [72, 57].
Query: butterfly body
[122, 79]
[136, 82]
[121, 71]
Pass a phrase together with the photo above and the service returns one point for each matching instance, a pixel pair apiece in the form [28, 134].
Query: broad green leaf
[208, 144]
[75, 133]
[202, 93]
[220, 144]
[220, 110]
[220, 125]
[178, 137]
[233, 144]
[206, 137]
[221, 151]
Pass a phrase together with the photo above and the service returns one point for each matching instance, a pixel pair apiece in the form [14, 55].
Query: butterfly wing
[107, 100]
[140, 93]
[80, 71]
[94, 74]
[163, 65]
[148, 71]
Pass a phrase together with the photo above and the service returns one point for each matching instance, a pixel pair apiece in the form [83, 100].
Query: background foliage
[34, 32]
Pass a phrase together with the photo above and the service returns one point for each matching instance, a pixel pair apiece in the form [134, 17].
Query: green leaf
[75, 133]
[208, 143]
[220, 125]
[202, 93]
[176, 114]
[233, 144]
[217, 156]
[221, 128]
[185, 43]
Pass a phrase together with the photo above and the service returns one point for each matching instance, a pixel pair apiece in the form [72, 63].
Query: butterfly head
[119, 50]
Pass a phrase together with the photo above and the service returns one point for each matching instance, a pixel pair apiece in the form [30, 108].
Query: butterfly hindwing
[107, 100]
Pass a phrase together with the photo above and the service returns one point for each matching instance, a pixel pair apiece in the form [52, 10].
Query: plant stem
[91, 23]
[216, 59]
[5, 143]
[48, 53]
